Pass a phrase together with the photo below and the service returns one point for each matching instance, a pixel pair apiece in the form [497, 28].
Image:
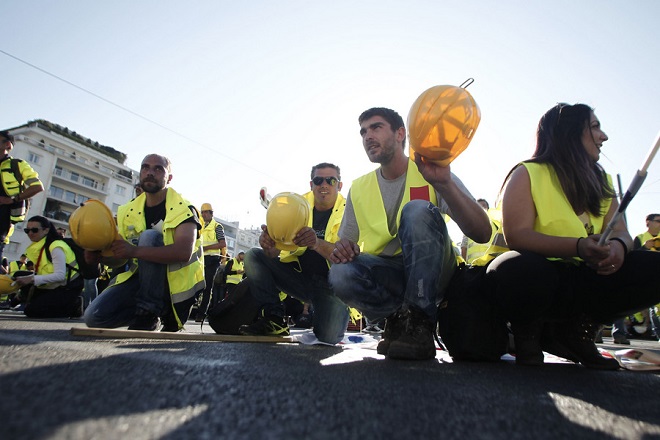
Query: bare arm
[519, 214]
[466, 212]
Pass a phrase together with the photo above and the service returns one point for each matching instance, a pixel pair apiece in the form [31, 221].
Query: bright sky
[251, 94]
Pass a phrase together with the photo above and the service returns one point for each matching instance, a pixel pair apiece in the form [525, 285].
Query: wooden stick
[141, 334]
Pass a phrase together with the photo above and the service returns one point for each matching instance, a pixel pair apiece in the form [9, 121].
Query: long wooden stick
[140, 334]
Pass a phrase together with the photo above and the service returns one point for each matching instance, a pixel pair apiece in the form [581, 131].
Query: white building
[72, 169]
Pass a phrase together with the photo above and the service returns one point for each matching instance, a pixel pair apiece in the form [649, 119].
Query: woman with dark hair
[55, 287]
[557, 284]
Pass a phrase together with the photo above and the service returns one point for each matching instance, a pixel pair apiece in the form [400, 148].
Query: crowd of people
[383, 251]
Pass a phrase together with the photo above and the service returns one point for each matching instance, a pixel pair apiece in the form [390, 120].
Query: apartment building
[73, 169]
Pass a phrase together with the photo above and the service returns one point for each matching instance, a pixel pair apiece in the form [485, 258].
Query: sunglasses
[33, 230]
[332, 181]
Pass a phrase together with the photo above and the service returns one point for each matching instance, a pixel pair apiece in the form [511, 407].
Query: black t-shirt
[154, 214]
[311, 262]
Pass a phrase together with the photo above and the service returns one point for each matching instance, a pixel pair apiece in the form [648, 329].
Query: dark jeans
[528, 286]
[211, 264]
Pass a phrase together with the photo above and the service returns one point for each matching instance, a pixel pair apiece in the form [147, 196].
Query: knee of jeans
[150, 237]
[338, 277]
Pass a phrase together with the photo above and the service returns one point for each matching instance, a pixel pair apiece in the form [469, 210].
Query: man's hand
[121, 249]
[6, 200]
[433, 173]
[344, 252]
[306, 237]
[267, 243]
[93, 257]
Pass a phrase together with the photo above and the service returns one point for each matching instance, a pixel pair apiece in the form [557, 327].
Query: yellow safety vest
[16, 265]
[184, 278]
[331, 229]
[42, 266]
[11, 186]
[554, 213]
[643, 238]
[370, 209]
[209, 237]
[235, 278]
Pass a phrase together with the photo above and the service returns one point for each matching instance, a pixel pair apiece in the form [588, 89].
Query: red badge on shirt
[420, 193]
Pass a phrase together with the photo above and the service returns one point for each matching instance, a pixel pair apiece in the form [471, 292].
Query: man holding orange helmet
[395, 256]
[303, 272]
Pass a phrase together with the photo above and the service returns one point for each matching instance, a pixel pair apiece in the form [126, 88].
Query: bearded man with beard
[395, 257]
[161, 239]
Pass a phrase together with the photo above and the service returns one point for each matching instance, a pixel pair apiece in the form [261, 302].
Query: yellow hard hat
[441, 123]
[206, 207]
[6, 285]
[93, 226]
[287, 214]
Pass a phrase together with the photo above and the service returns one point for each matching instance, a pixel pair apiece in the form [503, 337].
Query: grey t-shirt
[392, 193]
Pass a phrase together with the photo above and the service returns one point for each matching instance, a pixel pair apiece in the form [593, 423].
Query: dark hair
[393, 118]
[46, 224]
[7, 136]
[485, 201]
[559, 143]
[651, 217]
[325, 165]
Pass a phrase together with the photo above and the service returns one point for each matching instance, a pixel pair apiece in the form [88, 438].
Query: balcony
[70, 176]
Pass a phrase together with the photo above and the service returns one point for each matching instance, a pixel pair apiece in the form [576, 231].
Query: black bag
[468, 321]
[87, 271]
[235, 310]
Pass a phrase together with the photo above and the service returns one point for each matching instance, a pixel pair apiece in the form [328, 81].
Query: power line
[121, 107]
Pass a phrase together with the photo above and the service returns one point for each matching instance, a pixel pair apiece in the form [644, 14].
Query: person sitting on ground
[395, 257]
[557, 284]
[20, 264]
[161, 238]
[55, 287]
[302, 274]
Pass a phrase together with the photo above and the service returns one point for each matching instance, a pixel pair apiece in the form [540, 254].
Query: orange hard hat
[441, 123]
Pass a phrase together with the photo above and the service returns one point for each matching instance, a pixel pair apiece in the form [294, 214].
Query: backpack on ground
[87, 271]
[469, 323]
[235, 310]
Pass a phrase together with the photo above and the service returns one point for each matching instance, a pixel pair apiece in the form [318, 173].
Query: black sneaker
[170, 324]
[270, 325]
[416, 341]
[393, 329]
[147, 322]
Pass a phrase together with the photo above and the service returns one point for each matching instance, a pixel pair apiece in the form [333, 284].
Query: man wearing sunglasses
[395, 256]
[302, 274]
[161, 240]
[19, 183]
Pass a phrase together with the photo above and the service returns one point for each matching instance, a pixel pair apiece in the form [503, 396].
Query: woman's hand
[605, 259]
[24, 281]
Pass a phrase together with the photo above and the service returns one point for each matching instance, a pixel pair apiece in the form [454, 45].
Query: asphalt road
[57, 386]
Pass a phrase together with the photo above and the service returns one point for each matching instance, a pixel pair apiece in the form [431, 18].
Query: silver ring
[612, 266]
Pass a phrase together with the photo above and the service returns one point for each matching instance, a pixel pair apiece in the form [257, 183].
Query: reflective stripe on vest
[184, 279]
[209, 237]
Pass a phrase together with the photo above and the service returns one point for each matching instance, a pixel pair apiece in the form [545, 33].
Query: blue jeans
[268, 276]
[90, 292]
[379, 286]
[147, 290]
